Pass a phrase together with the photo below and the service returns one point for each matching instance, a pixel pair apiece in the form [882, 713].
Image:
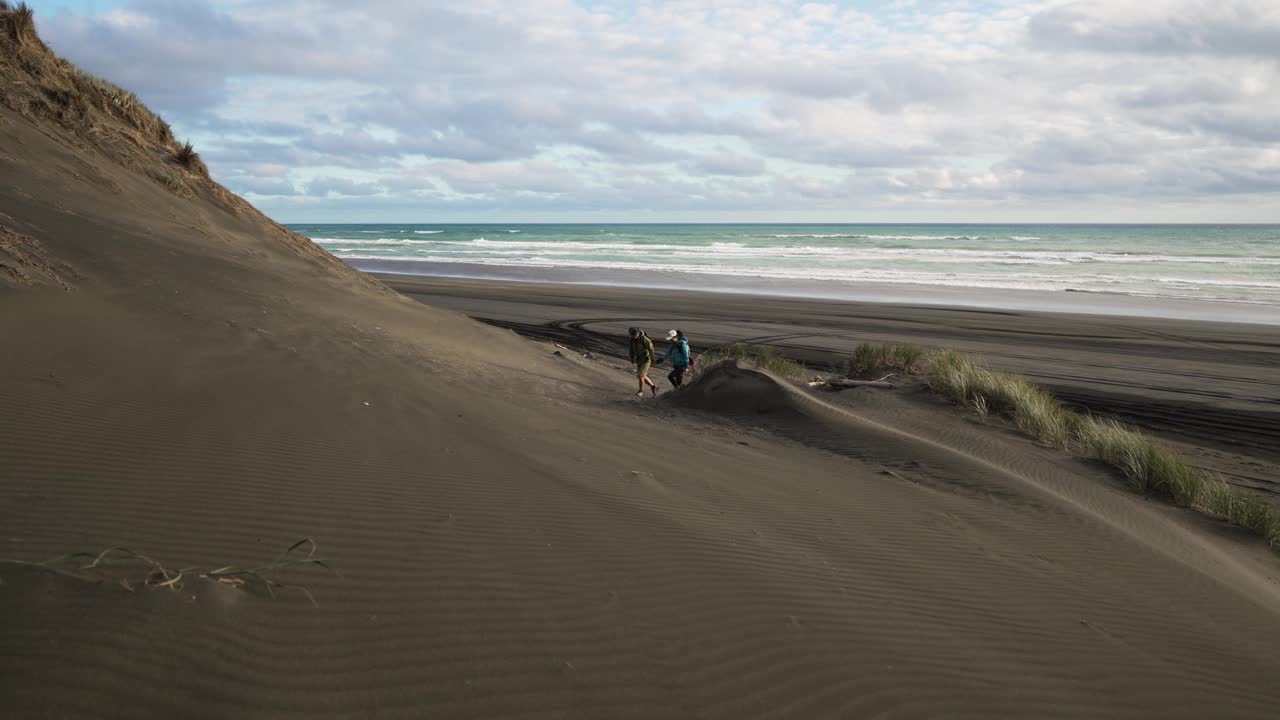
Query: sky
[710, 110]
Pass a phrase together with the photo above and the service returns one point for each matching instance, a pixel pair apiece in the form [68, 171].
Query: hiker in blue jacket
[681, 359]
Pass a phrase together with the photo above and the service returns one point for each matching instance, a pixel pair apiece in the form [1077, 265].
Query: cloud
[722, 162]
[217, 124]
[261, 185]
[711, 107]
[328, 186]
[1247, 126]
[1162, 27]
[535, 176]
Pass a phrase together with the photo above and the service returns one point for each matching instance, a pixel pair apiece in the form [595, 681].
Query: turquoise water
[1204, 262]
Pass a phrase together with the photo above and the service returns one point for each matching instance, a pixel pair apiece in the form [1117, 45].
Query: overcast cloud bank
[718, 110]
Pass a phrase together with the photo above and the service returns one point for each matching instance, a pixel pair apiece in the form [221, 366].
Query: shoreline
[1069, 301]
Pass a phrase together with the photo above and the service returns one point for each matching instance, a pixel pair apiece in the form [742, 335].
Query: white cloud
[1163, 27]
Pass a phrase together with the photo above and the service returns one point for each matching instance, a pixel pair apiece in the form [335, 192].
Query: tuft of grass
[186, 155]
[964, 382]
[762, 356]
[872, 356]
[261, 578]
[1148, 466]
[172, 179]
[1247, 511]
[40, 84]
[19, 21]
[163, 131]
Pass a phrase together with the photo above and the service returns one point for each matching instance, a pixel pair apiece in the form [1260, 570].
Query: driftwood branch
[562, 347]
[841, 383]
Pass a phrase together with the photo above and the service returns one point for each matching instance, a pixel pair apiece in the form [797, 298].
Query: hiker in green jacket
[642, 355]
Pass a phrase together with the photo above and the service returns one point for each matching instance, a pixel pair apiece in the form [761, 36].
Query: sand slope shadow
[1070, 490]
[757, 397]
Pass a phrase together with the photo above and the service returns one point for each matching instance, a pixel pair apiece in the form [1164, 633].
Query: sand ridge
[969, 463]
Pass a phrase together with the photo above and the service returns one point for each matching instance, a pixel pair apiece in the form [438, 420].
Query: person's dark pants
[676, 376]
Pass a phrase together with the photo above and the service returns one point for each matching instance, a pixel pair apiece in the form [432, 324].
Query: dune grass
[76, 99]
[1148, 466]
[186, 155]
[868, 357]
[18, 20]
[761, 355]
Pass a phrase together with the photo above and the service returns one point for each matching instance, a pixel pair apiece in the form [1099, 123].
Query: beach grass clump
[186, 155]
[964, 382]
[1244, 510]
[122, 104]
[762, 356]
[1148, 466]
[886, 356]
[162, 130]
[19, 21]
[40, 84]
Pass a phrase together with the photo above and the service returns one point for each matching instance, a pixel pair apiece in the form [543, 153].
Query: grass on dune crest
[1147, 465]
[762, 356]
[18, 21]
[186, 156]
[903, 358]
[39, 84]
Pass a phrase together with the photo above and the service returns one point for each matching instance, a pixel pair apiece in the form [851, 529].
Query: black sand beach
[190, 390]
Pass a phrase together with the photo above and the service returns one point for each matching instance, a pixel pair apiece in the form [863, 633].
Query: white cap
[671, 334]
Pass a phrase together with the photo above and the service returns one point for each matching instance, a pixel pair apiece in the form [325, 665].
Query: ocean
[1222, 263]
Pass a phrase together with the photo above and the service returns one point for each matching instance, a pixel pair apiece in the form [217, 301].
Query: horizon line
[815, 224]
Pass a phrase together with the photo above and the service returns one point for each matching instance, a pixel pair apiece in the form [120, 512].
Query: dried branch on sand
[261, 578]
[840, 383]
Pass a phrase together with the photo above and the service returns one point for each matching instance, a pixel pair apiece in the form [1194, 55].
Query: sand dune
[512, 535]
